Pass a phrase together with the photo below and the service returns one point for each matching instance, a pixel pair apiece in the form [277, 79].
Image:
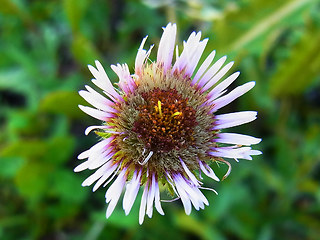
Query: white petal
[97, 147]
[195, 195]
[234, 152]
[131, 192]
[114, 192]
[96, 101]
[157, 198]
[166, 46]
[103, 116]
[208, 171]
[233, 119]
[190, 174]
[234, 94]
[105, 157]
[184, 197]
[99, 96]
[142, 56]
[235, 138]
[102, 80]
[217, 77]
[104, 178]
[150, 197]
[142, 210]
[216, 91]
[89, 129]
[94, 177]
[211, 71]
[204, 66]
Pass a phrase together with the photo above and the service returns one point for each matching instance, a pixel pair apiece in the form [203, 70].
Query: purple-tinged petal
[193, 179]
[191, 54]
[142, 56]
[234, 94]
[235, 138]
[203, 68]
[233, 152]
[126, 83]
[101, 115]
[211, 71]
[102, 81]
[216, 91]
[233, 119]
[97, 101]
[183, 195]
[217, 77]
[208, 171]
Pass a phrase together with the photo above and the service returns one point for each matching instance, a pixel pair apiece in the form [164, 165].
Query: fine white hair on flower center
[160, 128]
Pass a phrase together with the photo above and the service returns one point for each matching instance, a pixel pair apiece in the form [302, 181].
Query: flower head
[160, 128]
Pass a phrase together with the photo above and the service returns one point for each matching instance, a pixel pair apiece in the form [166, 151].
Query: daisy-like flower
[160, 128]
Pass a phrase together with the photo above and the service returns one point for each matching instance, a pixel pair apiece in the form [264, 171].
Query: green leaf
[60, 149]
[10, 166]
[201, 229]
[62, 102]
[32, 180]
[83, 50]
[75, 9]
[32, 149]
[66, 185]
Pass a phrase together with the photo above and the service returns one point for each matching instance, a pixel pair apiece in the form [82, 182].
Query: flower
[159, 127]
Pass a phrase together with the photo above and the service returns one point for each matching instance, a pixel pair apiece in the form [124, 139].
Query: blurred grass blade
[247, 27]
[295, 74]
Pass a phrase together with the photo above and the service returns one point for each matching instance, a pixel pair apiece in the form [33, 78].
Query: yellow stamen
[159, 108]
[176, 114]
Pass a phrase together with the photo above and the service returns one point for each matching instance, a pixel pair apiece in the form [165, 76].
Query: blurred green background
[45, 47]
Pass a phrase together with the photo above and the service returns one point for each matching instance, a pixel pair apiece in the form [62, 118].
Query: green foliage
[45, 47]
